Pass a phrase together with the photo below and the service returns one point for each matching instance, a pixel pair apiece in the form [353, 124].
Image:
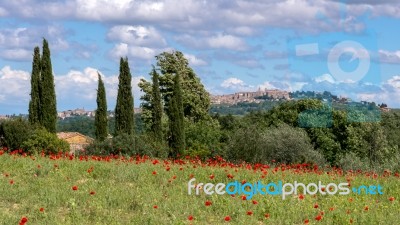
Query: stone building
[76, 141]
[249, 96]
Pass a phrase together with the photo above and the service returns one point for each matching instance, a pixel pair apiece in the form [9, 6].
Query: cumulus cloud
[14, 89]
[18, 43]
[235, 84]
[137, 35]
[78, 88]
[389, 57]
[194, 60]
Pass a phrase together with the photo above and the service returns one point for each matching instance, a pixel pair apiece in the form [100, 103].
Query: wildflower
[190, 217]
[315, 205]
[391, 199]
[41, 209]
[227, 218]
[23, 221]
[75, 188]
[212, 176]
[255, 202]
[208, 203]
[154, 172]
[306, 221]
[249, 213]
[366, 208]
[155, 207]
[301, 197]
[267, 215]
[244, 197]
[92, 193]
[11, 181]
[318, 218]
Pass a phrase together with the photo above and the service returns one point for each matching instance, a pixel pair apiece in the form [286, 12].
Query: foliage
[48, 104]
[82, 124]
[43, 141]
[368, 140]
[124, 119]
[100, 121]
[176, 119]
[14, 132]
[157, 111]
[34, 103]
[203, 138]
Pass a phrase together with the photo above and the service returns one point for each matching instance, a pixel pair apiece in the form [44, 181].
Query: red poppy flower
[255, 202]
[190, 217]
[208, 203]
[249, 213]
[155, 207]
[301, 197]
[75, 188]
[318, 218]
[267, 215]
[41, 209]
[227, 218]
[391, 199]
[244, 197]
[92, 193]
[154, 172]
[11, 182]
[212, 176]
[23, 221]
[315, 205]
[306, 221]
[366, 208]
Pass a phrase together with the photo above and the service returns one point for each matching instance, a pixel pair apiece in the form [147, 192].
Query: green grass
[127, 191]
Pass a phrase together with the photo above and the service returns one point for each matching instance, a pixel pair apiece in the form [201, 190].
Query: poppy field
[63, 189]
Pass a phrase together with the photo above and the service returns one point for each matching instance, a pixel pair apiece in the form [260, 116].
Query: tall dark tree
[34, 104]
[176, 119]
[48, 103]
[157, 106]
[100, 120]
[124, 120]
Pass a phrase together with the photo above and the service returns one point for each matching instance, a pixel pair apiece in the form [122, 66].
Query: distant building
[249, 96]
[76, 141]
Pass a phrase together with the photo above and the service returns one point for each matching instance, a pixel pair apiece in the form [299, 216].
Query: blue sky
[350, 49]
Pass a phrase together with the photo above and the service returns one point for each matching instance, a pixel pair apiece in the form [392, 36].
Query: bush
[42, 140]
[351, 161]
[202, 138]
[283, 143]
[14, 133]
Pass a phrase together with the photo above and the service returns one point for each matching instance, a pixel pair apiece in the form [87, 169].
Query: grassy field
[115, 190]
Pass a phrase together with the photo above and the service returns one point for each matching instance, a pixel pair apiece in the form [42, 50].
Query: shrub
[351, 161]
[283, 143]
[42, 140]
[14, 133]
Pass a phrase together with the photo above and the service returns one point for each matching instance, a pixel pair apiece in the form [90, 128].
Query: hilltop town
[255, 97]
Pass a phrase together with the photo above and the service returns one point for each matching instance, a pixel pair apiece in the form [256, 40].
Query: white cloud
[325, 77]
[389, 57]
[14, 87]
[17, 54]
[235, 85]
[227, 42]
[194, 60]
[137, 35]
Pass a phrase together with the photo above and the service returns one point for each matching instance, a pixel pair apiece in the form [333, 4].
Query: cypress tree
[157, 106]
[101, 112]
[124, 118]
[176, 119]
[48, 104]
[34, 104]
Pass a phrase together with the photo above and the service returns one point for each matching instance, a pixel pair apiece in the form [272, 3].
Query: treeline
[176, 121]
